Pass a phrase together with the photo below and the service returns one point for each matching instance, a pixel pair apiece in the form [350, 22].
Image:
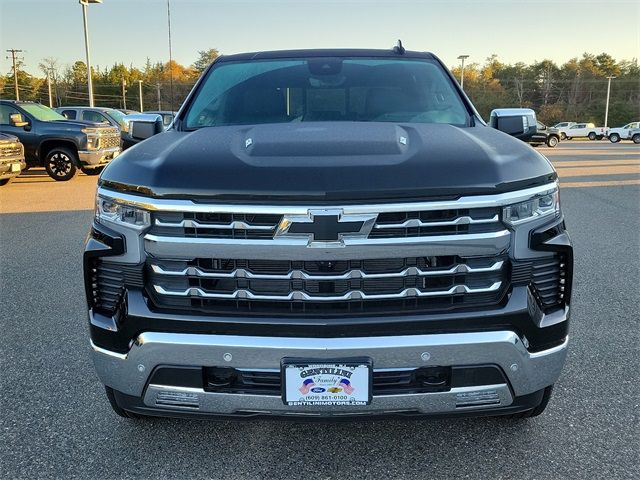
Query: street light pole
[140, 95]
[84, 4]
[606, 108]
[462, 59]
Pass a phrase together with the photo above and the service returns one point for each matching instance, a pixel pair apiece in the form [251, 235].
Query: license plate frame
[327, 387]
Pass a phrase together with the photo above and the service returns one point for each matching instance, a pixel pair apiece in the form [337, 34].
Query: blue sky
[129, 31]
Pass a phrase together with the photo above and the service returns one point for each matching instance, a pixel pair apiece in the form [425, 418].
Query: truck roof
[324, 52]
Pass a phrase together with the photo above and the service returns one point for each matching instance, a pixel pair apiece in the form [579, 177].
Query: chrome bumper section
[97, 158]
[526, 372]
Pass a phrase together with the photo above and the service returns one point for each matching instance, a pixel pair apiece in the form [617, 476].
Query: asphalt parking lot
[56, 422]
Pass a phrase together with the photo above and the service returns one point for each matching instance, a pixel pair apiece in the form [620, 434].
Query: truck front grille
[400, 224]
[216, 225]
[230, 286]
[110, 141]
[11, 151]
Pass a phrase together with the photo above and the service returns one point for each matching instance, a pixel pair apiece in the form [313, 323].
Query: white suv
[622, 133]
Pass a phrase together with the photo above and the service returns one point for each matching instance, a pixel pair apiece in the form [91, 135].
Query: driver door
[26, 134]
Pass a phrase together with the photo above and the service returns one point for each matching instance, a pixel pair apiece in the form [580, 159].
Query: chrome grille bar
[301, 275]
[415, 222]
[235, 225]
[242, 294]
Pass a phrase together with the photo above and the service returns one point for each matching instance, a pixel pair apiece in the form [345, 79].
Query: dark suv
[60, 145]
[329, 233]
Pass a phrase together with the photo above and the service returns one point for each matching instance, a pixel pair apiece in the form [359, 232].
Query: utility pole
[462, 59]
[13, 53]
[140, 95]
[158, 90]
[49, 88]
[606, 109]
[124, 94]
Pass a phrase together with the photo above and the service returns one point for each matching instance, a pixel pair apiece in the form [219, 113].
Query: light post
[462, 59]
[140, 95]
[84, 4]
[606, 108]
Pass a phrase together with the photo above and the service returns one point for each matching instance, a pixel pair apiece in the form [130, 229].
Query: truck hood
[327, 162]
[7, 138]
[75, 125]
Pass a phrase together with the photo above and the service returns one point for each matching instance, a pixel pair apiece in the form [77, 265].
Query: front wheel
[92, 171]
[563, 136]
[60, 164]
[592, 135]
[614, 138]
[636, 138]
[4, 181]
[552, 142]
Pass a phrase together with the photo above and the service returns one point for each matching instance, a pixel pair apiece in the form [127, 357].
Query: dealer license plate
[308, 382]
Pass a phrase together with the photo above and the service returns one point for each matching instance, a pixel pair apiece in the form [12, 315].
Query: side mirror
[517, 122]
[143, 126]
[15, 119]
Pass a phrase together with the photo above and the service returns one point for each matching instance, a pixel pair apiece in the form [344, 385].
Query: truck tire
[592, 135]
[60, 163]
[4, 181]
[92, 171]
[117, 409]
[636, 138]
[552, 141]
[614, 138]
[563, 136]
[537, 410]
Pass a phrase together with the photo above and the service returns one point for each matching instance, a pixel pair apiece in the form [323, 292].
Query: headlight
[536, 207]
[111, 211]
[93, 138]
[124, 126]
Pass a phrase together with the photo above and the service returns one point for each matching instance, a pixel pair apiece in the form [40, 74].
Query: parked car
[588, 130]
[622, 133]
[11, 158]
[329, 233]
[128, 139]
[96, 114]
[562, 128]
[60, 145]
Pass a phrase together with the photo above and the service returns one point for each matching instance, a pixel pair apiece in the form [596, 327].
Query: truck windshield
[42, 113]
[326, 89]
[116, 115]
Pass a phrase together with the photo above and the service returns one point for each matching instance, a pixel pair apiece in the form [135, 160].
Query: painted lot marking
[595, 171]
[602, 183]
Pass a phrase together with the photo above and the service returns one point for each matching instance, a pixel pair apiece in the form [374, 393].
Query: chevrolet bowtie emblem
[325, 227]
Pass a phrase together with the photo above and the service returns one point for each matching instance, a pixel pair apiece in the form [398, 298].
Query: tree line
[573, 91]
[164, 85]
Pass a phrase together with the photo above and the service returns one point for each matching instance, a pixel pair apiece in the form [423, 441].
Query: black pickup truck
[329, 233]
[61, 146]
